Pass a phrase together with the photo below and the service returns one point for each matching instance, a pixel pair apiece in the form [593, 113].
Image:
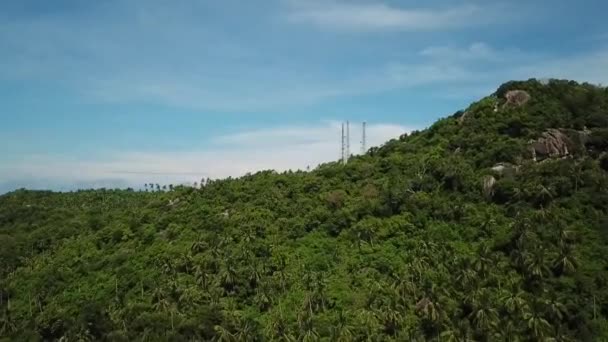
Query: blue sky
[122, 92]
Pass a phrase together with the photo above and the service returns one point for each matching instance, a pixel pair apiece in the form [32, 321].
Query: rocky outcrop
[552, 143]
[488, 186]
[462, 117]
[505, 169]
[516, 98]
[557, 143]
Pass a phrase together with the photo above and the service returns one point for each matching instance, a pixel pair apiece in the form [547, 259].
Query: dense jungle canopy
[490, 225]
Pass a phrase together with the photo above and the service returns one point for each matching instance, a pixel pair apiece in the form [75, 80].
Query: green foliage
[401, 244]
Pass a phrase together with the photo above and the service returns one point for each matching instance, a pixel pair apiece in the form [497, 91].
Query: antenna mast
[343, 147]
[347, 141]
[363, 142]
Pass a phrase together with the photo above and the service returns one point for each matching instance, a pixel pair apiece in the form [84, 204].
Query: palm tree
[190, 297]
[245, 330]
[162, 303]
[255, 275]
[167, 266]
[484, 261]
[367, 233]
[555, 309]
[369, 323]
[454, 335]
[342, 331]
[565, 262]
[201, 275]
[535, 264]
[116, 314]
[484, 315]
[228, 278]
[391, 319]
[510, 332]
[307, 331]
[280, 265]
[223, 334]
[278, 329]
[198, 246]
[428, 309]
[7, 325]
[466, 277]
[404, 288]
[262, 297]
[536, 323]
[576, 172]
[561, 335]
[513, 300]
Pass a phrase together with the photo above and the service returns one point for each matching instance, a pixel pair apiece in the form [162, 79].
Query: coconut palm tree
[307, 331]
[223, 334]
[554, 309]
[342, 330]
[535, 263]
[198, 246]
[162, 303]
[513, 300]
[278, 329]
[245, 330]
[484, 314]
[228, 278]
[7, 324]
[566, 262]
[263, 297]
[404, 289]
[391, 319]
[484, 261]
[509, 332]
[368, 323]
[535, 321]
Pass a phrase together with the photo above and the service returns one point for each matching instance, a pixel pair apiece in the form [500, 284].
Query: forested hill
[491, 225]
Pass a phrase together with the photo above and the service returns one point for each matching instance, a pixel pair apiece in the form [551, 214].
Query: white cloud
[359, 17]
[588, 67]
[279, 148]
[475, 52]
[476, 70]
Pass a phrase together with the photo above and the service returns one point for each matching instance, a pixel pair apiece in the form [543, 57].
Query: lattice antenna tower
[363, 139]
[347, 141]
[342, 152]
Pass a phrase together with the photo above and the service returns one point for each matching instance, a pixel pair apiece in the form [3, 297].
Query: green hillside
[490, 225]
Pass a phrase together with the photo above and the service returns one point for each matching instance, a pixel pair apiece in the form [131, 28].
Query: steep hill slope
[490, 225]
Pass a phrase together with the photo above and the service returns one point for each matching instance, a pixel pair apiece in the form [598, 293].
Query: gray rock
[505, 169]
[462, 118]
[552, 143]
[488, 186]
[516, 98]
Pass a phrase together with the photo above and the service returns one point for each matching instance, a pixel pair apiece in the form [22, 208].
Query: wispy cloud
[475, 52]
[588, 67]
[340, 15]
[144, 52]
[475, 70]
[278, 148]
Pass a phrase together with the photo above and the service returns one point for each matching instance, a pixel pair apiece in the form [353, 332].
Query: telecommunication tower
[363, 138]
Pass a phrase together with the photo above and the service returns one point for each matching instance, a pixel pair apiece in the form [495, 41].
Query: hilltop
[490, 225]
